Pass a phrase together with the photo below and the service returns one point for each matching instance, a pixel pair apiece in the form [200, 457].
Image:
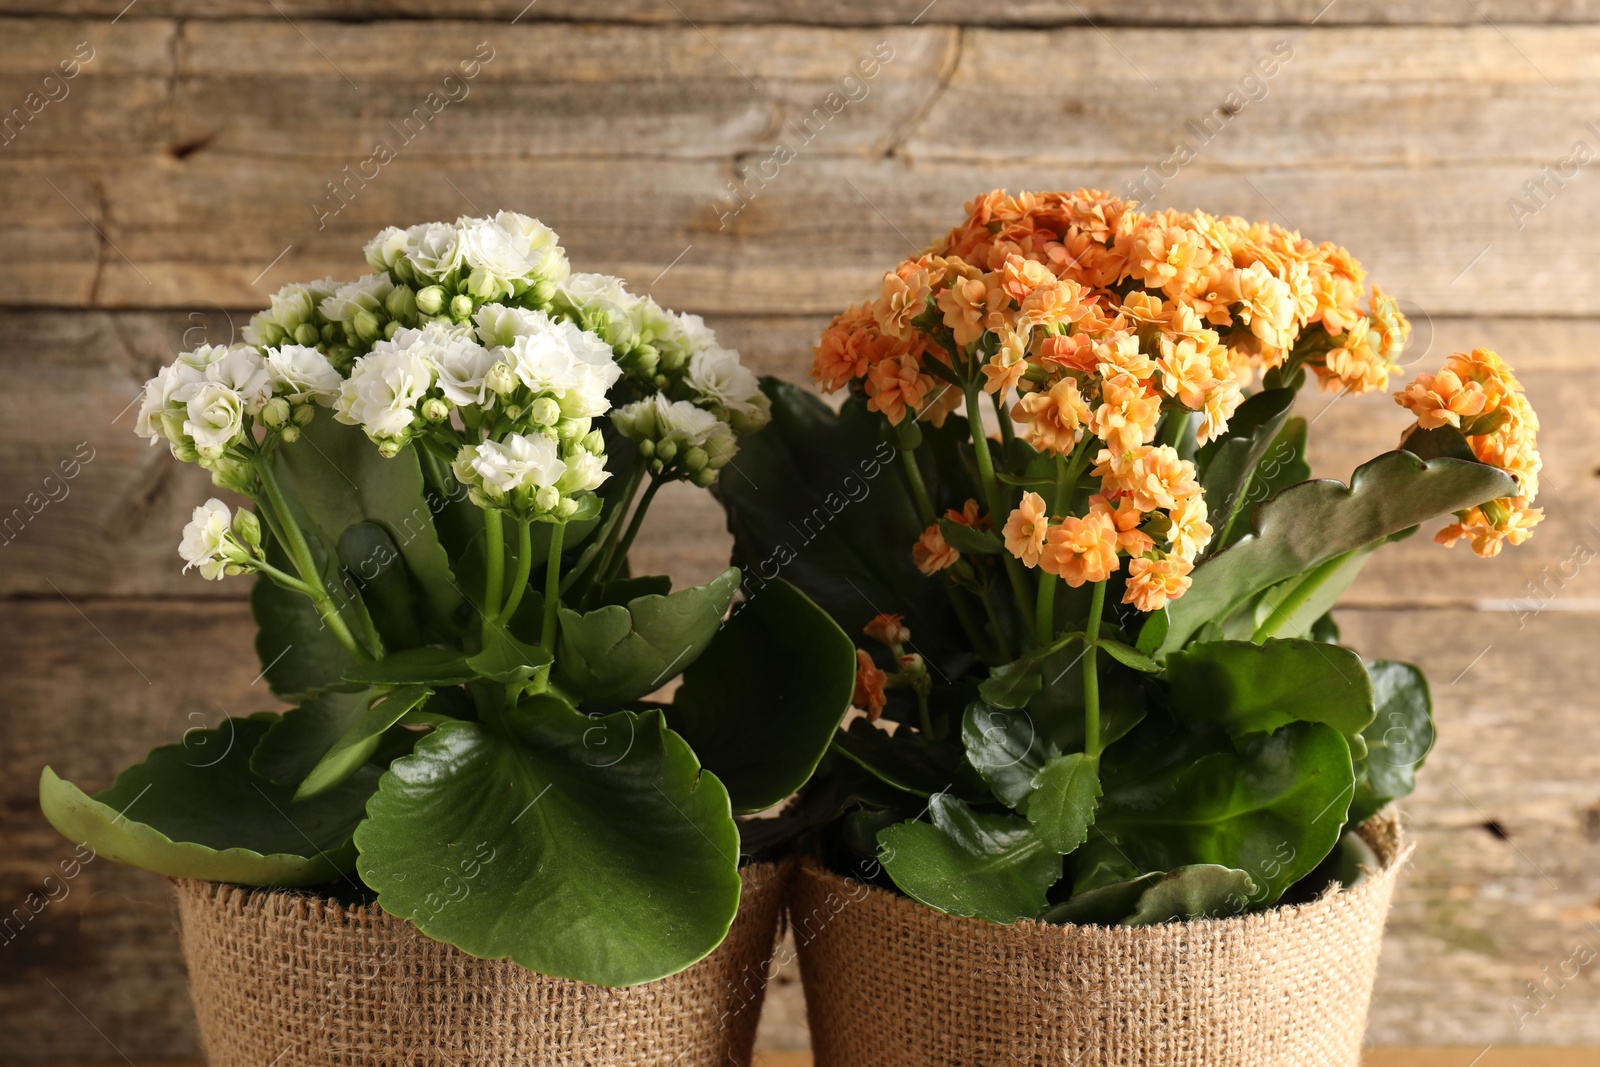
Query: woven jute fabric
[291, 980]
[890, 983]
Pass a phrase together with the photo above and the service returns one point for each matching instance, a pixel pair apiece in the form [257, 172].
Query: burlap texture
[890, 983]
[289, 980]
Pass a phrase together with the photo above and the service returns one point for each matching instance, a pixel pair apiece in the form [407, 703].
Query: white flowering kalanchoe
[677, 437]
[385, 388]
[220, 542]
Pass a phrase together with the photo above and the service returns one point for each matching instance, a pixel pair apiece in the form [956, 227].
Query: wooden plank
[1029, 13]
[114, 529]
[210, 228]
[1459, 1056]
[272, 88]
[1482, 912]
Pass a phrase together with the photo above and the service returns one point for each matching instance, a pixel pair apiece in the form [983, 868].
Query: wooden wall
[189, 169]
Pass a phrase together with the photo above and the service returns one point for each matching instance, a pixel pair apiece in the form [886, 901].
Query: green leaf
[965, 539]
[966, 863]
[1246, 688]
[1229, 463]
[1006, 749]
[1283, 465]
[194, 810]
[1062, 806]
[1153, 632]
[358, 744]
[619, 653]
[1311, 523]
[819, 498]
[414, 666]
[294, 744]
[1107, 905]
[1129, 656]
[1012, 685]
[507, 660]
[1196, 891]
[299, 654]
[1273, 808]
[590, 848]
[908, 761]
[374, 566]
[1399, 738]
[1291, 608]
[336, 477]
[1436, 442]
[764, 700]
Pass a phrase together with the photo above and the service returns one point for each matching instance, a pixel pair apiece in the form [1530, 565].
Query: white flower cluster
[483, 260]
[221, 542]
[206, 402]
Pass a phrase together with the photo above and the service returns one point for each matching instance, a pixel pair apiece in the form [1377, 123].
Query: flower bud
[430, 301]
[229, 473]
[275, 412]
[331, 334]
[501, 379]
[435, 409]
[461, 307]
[694, 459]
[721, 458]
[888, 630]
[390, 328]
[289, 434]
[667, 451]
[307, 334]
[513, 411]
[674, 359]
[573, 429]
[594, 441]
[568, 507]
[542, 292]
[544, 411]
[479, 498]
[272, 335]
[390, 448]
[303, 414]
[911, 663]
[703, 477]
[547, 498]
[247, 528]
[401, 303]
[366, 325]
[647, 448]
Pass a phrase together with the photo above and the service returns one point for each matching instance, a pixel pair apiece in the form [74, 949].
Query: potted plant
[1115, 793]
[449, 460]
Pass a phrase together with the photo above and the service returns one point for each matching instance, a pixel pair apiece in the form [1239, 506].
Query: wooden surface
[180, 182]
[1460, 1056]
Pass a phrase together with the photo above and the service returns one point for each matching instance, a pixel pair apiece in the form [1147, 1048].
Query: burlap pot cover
[288, 980]
[889, 982]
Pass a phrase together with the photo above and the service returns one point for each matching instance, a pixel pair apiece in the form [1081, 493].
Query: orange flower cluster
[1477, 394]
[932, 553]
[1100, 316]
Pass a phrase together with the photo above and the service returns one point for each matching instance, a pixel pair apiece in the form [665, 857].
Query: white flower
[205, 540]
[463, 365]
[499, 326]
[519, 462]
[559, 358]
[594, 370]
[508, 246]
[215, 418]
[718, 376]
[300, 374]
[605, 306]
[433, 248]
[388, 248]
[585, 471]
[243, 370]
[658, 419]
[385, 386]
[366, 293]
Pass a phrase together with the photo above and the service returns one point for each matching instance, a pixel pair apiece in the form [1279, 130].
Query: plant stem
[1044, 622]
[923, 716]
[494, 549]
[1172, 430]
[1067, 474]
[1300, 597]
[601, 544]
[519, 583]
[996, 502]
[294, 542]
[919, 488]
[1008, 430]
[552, 588]
[994, 624]
[1091, 676]
[619, 554]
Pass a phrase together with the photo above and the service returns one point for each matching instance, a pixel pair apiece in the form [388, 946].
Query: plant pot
[890, 982]
[280, 977]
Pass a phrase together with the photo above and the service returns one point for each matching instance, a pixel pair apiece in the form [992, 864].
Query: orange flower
[1125, 520]
[969, 515]
[1441, 399]
[1052, 418]
[848, 346]
[1019, 277]
[1488, 534]
[1190, 532]
[893, 385]
[1357, 364]
[903, 298]
[1006, 368]
[1025, 529]
[1050, 305]
[870, 680]
[963, 307]
[1080, 550]
[931, 553]
[1266, 306]
[1155, 477]
[1154, 582]
[888, 630]
[1128, 416]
